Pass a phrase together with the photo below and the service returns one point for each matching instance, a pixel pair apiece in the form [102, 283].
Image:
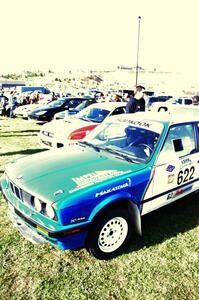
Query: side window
[118, 111]
[188, 101]
[179, 101]
[198, 135]
[73, 103]
[181, 140]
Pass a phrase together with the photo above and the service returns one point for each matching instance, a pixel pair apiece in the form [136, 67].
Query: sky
[76, 34]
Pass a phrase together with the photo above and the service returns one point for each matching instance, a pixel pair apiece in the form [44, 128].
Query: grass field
[163, 264]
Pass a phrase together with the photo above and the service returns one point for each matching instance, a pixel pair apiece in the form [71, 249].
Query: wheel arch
[125, 203]
[161, 108]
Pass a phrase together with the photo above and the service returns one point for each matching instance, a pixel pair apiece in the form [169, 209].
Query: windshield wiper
[90, 145]
[121, 155]
[84, 119]
[95, 121]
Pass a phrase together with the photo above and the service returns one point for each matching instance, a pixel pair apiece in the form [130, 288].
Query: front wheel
[110, 234]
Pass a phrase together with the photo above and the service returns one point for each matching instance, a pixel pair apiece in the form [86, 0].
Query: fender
[122, 200]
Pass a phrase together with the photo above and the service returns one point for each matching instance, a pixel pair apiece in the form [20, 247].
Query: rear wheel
[110, 234]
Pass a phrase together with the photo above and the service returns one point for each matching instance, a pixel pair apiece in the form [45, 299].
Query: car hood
[26, 107]
[43, 108]
[60, 128]
[57, 174]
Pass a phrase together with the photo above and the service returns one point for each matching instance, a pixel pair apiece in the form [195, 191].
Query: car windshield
[93, 114]
[80, 106]
[56, 103]
[136, 142]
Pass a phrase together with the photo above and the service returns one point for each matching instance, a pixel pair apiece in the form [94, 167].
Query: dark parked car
[46, 114]
[74, 111]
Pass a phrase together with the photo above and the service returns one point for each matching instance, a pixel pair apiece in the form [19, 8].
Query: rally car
[64, 133]
[95, 195]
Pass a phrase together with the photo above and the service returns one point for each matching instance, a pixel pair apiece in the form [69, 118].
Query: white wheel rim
[113, 234]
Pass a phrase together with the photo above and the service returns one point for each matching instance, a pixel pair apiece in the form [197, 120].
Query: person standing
[3, 102]
[137, 101]
[132, 105]
[140, 97]
[12, 104]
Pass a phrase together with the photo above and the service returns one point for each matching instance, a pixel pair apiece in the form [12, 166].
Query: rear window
[179, 101]
[157, 99]
[188, 101]
[93, 114]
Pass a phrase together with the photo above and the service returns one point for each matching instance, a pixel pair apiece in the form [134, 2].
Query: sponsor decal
[95, 177]
[170, 168]
[137, 123]
[185, 162]
[78, 219]
[171, 178]
[181, 191]
[58, 192]
[153, 126]
[113, 189]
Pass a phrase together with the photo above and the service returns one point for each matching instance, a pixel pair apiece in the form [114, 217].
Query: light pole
[138, 45]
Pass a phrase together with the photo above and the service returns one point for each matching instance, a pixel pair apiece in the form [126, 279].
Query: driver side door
[176, 172]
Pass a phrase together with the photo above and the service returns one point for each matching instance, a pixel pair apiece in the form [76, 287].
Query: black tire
[110, 233]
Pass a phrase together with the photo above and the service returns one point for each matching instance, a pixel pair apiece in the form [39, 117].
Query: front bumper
[38, 119]
[68, 238]
[24, 229]
[55, 143]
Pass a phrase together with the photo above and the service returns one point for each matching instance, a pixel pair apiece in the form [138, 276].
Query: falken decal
[179, 192]
[170, 168]
[95, 177]
[113, 189]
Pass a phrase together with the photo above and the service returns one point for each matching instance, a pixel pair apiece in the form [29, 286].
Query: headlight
[44, 208]
[4, 177]
[50, 211]
[38, 205]
[41, 112]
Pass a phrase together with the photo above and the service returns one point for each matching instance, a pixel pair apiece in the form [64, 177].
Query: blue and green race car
[95, 195]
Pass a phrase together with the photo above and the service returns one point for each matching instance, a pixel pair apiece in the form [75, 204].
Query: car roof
[174, 117]
[72, 98]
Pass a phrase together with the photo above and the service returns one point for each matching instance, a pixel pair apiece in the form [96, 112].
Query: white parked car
[23, 110]
[184, 101]
[172, 104]
[60, 133]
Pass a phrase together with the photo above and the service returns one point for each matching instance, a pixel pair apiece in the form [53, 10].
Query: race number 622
[185, 175]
